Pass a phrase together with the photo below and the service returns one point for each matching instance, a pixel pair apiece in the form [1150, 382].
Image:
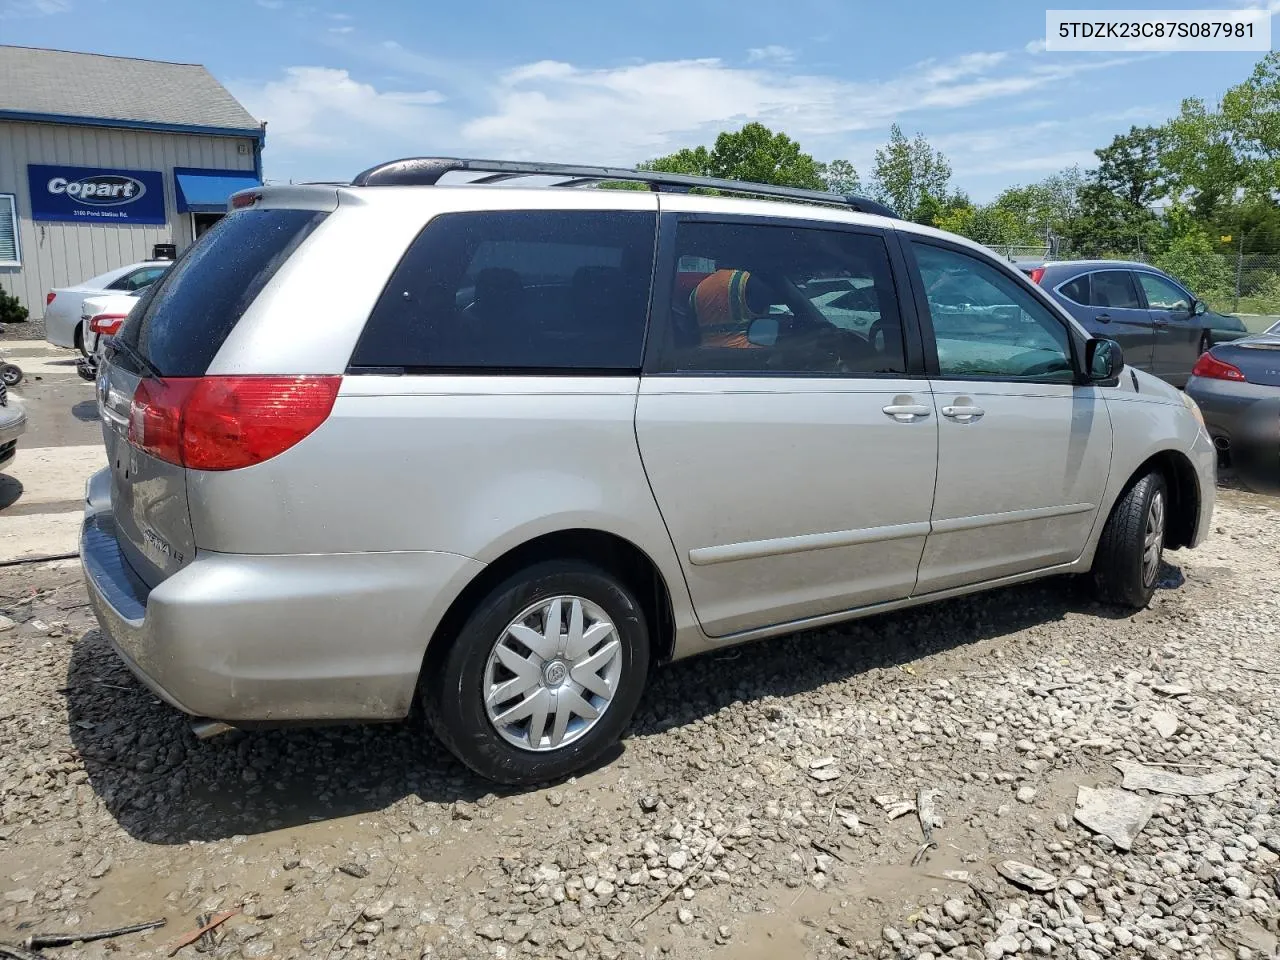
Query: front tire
[543, 677]
[1127, 563]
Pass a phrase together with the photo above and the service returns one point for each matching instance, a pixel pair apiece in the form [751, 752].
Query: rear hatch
[1257, 357]
[161, 356]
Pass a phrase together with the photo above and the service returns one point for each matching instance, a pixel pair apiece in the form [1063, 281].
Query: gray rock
[685, 916]
[957, 910]
[1026, 876]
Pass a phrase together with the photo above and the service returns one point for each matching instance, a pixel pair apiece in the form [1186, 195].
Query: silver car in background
[536, 439]
[64, 306]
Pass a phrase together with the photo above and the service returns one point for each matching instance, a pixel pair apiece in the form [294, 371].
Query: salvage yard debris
[1138, 776]
[1116, 814]
[1026, 876]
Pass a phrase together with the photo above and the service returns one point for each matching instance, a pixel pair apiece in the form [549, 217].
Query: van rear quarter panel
[471, 465]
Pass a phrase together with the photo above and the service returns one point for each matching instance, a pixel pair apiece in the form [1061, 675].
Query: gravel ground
[27, 330]
[764, 805]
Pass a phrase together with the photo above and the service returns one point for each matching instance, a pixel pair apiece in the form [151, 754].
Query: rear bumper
[12, 426]
[1227, 405]
[256, 638]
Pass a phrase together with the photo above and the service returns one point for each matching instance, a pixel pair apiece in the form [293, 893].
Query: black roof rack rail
[427, 171]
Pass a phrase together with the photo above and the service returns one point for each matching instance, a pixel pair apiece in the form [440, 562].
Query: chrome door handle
[906, 412]
[963, 414]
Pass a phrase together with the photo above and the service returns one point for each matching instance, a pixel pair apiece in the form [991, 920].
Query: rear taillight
[242, 200]
[106, 324]
[48, 298]
[1037, 275]
[225, 423]
[1212, 368]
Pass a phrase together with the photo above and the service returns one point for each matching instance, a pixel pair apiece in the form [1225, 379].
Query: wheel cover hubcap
[1153, 540]
[552, 673]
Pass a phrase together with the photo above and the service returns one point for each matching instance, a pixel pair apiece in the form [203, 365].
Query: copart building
[107, 161]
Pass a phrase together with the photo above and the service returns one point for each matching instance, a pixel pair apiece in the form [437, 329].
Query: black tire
[1120, 576]
[454, 679]
[1206, 341]
[78, 339]
[11, 373]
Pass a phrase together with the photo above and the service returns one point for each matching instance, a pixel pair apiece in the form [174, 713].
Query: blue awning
[207, 191]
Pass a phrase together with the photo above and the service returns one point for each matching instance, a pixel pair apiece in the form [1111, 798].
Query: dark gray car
[1160, 324]
[1237, 386]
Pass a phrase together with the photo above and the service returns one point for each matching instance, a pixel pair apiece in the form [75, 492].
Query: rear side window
[782, 301]
[138, 279]
[1114, 288]
[534, 290]
[181, 322]
[1077, 290]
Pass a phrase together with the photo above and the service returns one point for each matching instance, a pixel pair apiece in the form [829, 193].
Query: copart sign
[95, 194]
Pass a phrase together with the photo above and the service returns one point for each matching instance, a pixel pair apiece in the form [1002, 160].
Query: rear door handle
[906, 412]
[963, 414]
[1103, 318]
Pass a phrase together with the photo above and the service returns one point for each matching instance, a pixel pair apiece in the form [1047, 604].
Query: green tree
[1189, 256]
[1252, 112]
[1044, 208]
[1200, 159]
[758, 154]
[908, 171]
[1130, 168]
[1112, 212]
[840, 176]
[754, 153]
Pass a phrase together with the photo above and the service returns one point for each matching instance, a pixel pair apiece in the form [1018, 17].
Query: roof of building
[126, 92]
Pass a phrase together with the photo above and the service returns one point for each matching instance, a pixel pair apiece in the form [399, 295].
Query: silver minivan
[496, 449]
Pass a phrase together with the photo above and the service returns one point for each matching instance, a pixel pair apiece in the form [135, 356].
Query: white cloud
[346, 29]
[271, 4]
[772, 52]
[338, 16]
[1038, 45]
[326, 119]
[559, 110]
[15, 9]
[320, 108]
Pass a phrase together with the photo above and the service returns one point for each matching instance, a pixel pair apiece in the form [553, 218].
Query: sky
[346, 85]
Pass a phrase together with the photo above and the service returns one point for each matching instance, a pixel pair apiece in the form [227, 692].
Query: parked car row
[1160, 324]
[591, 430]
[64, 307]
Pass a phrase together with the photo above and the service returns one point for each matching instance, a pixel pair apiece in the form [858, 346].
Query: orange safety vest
[719, 304]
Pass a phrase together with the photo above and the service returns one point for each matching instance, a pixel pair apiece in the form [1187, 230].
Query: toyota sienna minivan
[496, 449]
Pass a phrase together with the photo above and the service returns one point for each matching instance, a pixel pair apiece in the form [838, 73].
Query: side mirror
[1103, 359]
[1198, 308]
[763, 332]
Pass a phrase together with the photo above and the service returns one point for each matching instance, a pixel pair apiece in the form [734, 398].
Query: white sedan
[101, 318]
[63, 308]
